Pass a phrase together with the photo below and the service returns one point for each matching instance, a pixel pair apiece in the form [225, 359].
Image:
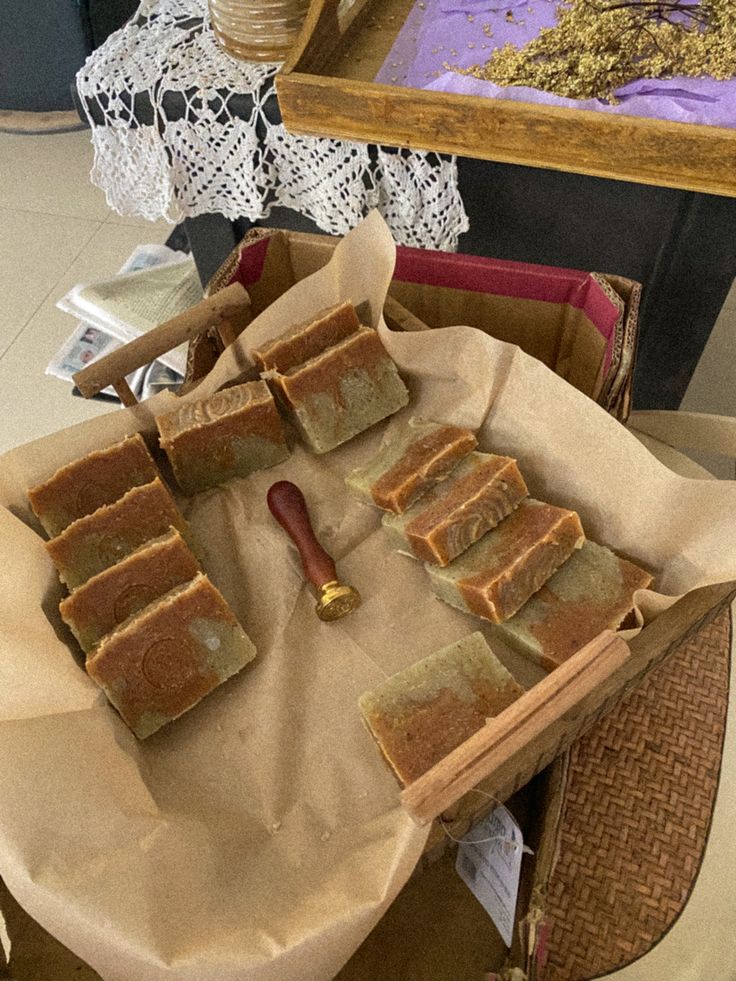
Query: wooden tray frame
[326, 89]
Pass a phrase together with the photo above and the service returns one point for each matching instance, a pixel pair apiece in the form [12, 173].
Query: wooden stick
[516, 742]
[228, 303]
[228, 331]
[396, 313]
[124, 392]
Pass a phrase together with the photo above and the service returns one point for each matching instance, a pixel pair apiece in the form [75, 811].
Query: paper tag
[489, 863]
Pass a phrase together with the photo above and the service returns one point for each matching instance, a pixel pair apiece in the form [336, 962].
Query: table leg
[211, 239]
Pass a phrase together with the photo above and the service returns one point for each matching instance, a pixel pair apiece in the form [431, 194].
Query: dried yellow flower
[599, 45]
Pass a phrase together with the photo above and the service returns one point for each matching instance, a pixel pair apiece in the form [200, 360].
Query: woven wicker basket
[626, 842]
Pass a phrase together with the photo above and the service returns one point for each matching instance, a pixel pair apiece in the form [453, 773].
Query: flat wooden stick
[524, 737]
[227, 304]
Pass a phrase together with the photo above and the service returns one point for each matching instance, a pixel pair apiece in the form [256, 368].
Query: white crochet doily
[195, 155]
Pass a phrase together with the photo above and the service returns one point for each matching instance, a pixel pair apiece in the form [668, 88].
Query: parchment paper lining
[260, 835]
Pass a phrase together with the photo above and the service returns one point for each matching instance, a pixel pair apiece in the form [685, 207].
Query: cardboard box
[584, 326]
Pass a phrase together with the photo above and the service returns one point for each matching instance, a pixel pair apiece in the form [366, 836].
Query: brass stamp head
[336, 601]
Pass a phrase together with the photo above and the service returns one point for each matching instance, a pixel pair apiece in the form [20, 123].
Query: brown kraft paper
[260, 836]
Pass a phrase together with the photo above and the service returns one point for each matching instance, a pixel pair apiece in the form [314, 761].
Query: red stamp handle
[286, 503]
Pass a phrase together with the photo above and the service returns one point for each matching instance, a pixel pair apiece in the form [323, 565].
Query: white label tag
[489, 863]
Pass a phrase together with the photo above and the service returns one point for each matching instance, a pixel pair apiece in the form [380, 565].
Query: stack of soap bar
[230, 434]
[110, 597]
[421, 714]
[593, 591]
[303, 341]
[163, 660]
[478, 494]
[99, 540]
[497, 575]
[99, 478]
[341, 391]
[412, 463]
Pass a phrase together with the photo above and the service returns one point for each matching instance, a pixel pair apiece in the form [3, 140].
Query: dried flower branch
[599, 45]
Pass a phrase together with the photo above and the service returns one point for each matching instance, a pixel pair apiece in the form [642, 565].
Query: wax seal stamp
[334, 599]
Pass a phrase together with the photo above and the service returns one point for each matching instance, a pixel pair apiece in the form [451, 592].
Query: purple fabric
[438, 33]
[477, 6]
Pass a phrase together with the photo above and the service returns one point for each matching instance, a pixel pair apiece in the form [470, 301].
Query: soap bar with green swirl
[305, 340]
[84, 485]
[230, 434]
[592, 591]
[160, 662]
[498, 574]
[414, 461]
[341, 392]
[479, 493]
[110, 597]
[422, 713]
[99, 540]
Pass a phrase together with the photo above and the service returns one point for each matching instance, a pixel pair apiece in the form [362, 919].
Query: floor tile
[50, 174]
[42, 403]
[35, 250]
[108, 249]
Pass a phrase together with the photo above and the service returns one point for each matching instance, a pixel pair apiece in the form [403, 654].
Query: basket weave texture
[639, 799]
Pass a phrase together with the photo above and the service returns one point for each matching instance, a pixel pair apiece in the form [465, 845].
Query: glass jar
[257, 30]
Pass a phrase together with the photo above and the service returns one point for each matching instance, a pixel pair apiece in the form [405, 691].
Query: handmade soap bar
[412, 463]
[421, 714]
[305, 340]
[99, 540]
[230, 434]
[99, 478]
[479, 493]
[339, 393]
[593, 591]
[110, 597]
[163, 660]
[497, 575]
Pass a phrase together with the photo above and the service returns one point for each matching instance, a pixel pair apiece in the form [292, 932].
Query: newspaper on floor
[154, 285]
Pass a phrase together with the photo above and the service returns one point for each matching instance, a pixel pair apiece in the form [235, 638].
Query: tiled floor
[55, 230]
